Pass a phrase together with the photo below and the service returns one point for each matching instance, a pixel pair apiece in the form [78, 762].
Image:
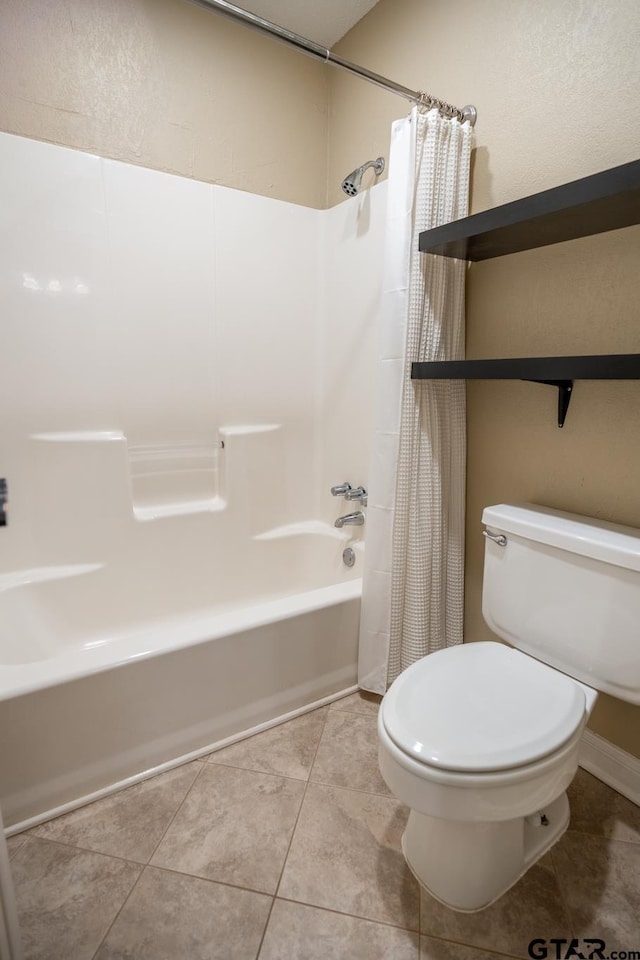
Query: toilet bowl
[481, 740]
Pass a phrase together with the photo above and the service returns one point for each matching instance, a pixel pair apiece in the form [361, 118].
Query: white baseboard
[615, 767]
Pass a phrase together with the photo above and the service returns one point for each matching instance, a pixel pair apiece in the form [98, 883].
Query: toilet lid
[481, 707]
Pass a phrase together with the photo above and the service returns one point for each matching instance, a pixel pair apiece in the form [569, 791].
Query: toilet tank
[566, 590]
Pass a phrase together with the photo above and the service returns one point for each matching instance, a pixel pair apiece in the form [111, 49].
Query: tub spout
[355, 519]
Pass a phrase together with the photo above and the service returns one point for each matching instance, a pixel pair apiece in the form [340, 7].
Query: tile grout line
[265, 773]
[472, 946]
[198, 876]
[178, 809]
[395, 926]
[324, 783]
[115, 856]
[153, 866]
[387, 796]
[368, 793]
[415, 930]
[293, 833]
[304, 794]
[119, 911]
[353, 916]
[145, 865]
[32, 835]
[354, 711]
[98, 853]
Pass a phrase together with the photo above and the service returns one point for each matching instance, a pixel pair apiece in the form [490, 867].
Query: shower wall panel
[267, 305]
[161, 351]
[54, 293]
[142, 313]
[353, 246]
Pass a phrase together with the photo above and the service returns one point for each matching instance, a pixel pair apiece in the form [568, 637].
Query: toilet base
[466, 866]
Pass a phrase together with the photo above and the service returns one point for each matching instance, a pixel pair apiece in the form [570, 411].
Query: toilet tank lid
[608, 542]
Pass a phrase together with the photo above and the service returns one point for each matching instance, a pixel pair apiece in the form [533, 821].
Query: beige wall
[556, 85]
[167, 85]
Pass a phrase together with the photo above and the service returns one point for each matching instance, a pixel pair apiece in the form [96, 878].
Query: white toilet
[481, 740]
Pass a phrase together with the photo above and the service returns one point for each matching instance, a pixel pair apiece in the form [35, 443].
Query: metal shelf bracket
[565, 388]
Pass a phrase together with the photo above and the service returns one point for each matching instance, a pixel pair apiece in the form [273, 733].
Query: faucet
[354, 519]
[3, 502]
[341, 490]
[359, 494]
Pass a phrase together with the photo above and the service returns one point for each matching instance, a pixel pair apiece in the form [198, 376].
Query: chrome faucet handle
[357, 493]
[341, 490]
[3, 502]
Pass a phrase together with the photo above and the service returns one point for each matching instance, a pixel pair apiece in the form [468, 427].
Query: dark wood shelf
[616, 366]
[605, 201]
[557, 372]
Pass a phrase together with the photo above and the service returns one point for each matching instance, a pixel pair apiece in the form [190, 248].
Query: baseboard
[615, 767]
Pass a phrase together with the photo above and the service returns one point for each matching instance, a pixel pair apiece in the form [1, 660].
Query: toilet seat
[481, 707]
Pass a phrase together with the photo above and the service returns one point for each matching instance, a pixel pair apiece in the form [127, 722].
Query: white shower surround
[188, 369]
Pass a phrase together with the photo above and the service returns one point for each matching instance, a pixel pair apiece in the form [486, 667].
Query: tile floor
[286, 846]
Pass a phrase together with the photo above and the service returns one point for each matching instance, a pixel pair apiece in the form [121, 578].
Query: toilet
[481, 740]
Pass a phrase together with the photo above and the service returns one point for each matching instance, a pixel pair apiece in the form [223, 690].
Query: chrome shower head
[351, 183]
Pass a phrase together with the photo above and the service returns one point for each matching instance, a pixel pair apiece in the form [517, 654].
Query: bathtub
[113, 671]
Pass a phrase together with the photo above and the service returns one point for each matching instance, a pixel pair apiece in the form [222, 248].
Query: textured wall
[165, 84]
[555, 85]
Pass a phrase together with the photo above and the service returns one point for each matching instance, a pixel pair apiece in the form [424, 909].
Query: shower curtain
[413, 586]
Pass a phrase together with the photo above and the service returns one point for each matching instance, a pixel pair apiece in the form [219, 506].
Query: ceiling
[324, 21]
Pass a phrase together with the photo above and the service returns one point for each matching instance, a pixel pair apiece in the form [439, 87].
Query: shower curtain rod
[319, 52]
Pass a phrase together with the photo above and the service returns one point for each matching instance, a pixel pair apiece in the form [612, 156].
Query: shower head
[351, 183]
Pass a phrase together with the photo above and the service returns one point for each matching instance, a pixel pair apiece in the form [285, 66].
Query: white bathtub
[110, 672]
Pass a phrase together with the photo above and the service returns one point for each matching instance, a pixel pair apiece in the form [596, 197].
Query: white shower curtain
[413, 586]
